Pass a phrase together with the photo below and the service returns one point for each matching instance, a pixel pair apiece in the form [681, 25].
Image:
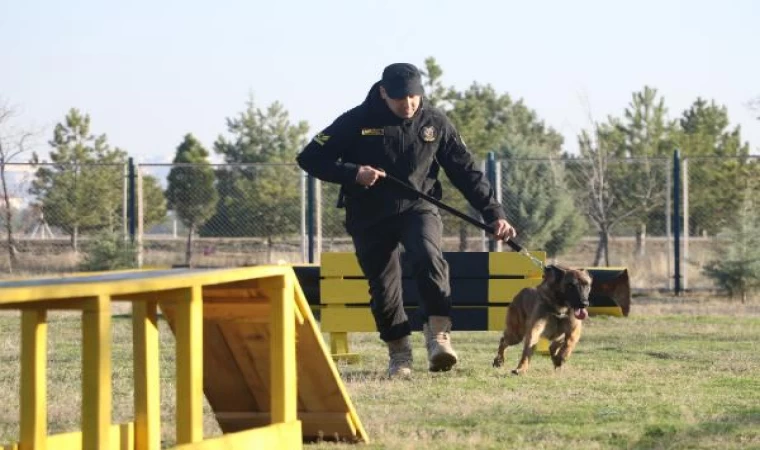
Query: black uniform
[380, 217]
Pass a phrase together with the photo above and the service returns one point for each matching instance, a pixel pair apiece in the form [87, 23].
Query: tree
[736, 268]
[488, 122]
[13, 143]
[154, 201]
[190, 192]
[704, 135]
[643, 147]
[618, 176]
[83, 188]
[541, 207]
[259, 192]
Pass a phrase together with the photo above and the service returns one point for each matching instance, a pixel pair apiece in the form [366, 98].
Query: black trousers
[379, 255]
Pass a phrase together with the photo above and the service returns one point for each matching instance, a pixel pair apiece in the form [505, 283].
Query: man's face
[404, 108]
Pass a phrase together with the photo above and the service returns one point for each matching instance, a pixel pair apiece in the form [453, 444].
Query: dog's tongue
[581, 314]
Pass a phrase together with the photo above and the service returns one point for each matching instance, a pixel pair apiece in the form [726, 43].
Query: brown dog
[554, 309]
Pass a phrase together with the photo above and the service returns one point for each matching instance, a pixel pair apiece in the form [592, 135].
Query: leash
[512, 244]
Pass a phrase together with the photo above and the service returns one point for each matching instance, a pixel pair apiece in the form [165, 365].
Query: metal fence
[583, 212]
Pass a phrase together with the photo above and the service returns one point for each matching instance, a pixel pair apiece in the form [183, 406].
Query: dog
[555, 309]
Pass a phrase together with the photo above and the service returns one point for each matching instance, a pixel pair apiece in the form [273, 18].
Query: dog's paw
[498, 362]
[517, 372]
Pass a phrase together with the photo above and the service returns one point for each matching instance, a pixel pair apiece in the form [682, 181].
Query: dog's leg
[554, 349]
[571, 339]
[530, 341]
[499, 360]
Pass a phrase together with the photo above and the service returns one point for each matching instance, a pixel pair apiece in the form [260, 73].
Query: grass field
[679, 373]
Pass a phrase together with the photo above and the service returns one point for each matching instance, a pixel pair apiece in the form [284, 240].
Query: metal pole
[495, 180]
[304, 243]
[310, 225]
[132, 199]
[669, 223]
[685, 177]
[677, 221]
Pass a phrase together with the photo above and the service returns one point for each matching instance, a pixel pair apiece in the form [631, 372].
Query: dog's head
[572, 286]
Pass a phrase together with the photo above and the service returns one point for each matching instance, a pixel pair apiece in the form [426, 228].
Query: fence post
[494, 178]
[311, 188]
[677, 221]
[131, 199]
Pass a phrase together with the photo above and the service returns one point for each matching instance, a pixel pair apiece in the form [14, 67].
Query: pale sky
[148, 72]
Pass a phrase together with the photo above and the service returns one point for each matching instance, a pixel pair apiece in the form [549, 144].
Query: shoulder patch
[321, 138]
[429, 133]
[373, 132]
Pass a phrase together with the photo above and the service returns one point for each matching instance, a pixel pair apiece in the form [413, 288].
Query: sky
[149, 72]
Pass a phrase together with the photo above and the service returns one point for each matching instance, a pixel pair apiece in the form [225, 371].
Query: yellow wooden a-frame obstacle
[244, 336]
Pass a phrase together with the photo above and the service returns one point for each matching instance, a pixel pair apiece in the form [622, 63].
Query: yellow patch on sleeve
[372, 132]
[321, 138]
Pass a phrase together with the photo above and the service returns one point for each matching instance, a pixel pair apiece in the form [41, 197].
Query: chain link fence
[582, 212]
[720, 215]
[51, 214]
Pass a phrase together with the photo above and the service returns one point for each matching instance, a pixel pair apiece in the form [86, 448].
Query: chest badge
[428, 134]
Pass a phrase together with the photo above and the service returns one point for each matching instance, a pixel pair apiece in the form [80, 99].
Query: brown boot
[441, 355]
[400, 353]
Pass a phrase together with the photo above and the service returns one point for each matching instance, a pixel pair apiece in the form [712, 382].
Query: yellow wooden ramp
[236, 364]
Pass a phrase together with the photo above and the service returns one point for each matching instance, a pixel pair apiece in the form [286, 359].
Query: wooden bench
[482, 286]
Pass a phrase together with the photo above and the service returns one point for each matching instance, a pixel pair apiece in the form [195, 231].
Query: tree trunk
[12, 254]
[602, 248]
[641, 245]
[189, 246]
[463, 237]
[75, 239]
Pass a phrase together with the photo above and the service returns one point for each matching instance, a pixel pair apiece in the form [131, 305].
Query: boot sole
[442, 362]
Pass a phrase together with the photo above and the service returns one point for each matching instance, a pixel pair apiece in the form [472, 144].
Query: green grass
[677, 374]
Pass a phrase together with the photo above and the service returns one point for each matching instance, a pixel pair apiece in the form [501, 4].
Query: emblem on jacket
[428, 134]
[372, 132]
[321, 138]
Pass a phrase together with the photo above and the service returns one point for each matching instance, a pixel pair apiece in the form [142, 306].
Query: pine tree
[190, 191]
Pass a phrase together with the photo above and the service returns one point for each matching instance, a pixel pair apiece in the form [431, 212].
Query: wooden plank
[342, 291]
[146, 373]
[504, 290]
[189, 332]
[339, 265]
[34, 379]
[96, 372]
[341, 319]
[313, 424]
[249, 346]
[278, 436]
[515, 264]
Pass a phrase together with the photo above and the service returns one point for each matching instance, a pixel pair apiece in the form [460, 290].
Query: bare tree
[13, 143]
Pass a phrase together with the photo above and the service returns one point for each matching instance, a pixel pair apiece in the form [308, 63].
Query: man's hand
[503, 230]
[368, 175]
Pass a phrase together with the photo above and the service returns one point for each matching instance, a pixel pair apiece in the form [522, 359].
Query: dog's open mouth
[581, 313]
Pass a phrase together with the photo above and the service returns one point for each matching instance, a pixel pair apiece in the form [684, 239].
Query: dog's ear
[553, 274]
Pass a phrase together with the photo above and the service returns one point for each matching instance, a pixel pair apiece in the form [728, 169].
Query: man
[394, 132]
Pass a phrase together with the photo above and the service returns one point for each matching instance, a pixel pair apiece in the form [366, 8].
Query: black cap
[401, 80]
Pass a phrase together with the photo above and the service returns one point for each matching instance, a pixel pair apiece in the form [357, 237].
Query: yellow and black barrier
[483, 285]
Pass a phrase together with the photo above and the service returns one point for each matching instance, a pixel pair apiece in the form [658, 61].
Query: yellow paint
[497, 317]
[183, 290]
[189, 334]
[516, 264]
[96, 372]
[282, 350]
[342, 291]
[146, 373]
[615, 311]
[339, 264]
[501, 290]
[33, 381]
[277, 436]
[342, 319]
